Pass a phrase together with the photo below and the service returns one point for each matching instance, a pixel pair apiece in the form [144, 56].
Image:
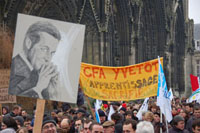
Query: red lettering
[148, 67]
[124, 71]
[102, 73]
[140, 67]
[94, 71]
[131, 70]
[116, 72]
[155, 64]
[84, 71]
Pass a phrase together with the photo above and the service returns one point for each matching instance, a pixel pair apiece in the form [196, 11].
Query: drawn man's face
[41, 53]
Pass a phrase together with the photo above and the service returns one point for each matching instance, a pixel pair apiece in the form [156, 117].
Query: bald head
[65, 124]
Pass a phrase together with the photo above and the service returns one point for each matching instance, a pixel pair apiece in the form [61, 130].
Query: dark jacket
[157, 127]
[176, 130]
[118, 127]
[189, 124]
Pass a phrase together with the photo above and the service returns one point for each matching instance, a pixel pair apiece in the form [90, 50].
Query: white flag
[163, 101]
[170, 94]
[143, 108]
[112, 111]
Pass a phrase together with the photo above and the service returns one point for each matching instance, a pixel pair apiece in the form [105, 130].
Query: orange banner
[120, 83]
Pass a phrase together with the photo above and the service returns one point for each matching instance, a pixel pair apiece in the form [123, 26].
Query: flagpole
[161, 121]
[90, 107]
[166, 122]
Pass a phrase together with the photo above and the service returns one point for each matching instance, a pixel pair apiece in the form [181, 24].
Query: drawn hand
[46, 73]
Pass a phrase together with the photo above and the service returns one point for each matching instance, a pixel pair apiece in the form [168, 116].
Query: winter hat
[123, 109]
[80, 110]
[178, 118]
[48, 119]
[105, 106]
[101, 113]
[124, 105]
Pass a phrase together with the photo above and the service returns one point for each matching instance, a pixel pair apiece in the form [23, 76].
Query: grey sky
[194, 10]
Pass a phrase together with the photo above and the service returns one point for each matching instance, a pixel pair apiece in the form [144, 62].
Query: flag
[143, 108]
[112, 111]
[97, 107]
[195, 96]
[163, 101]
[194, 82]
[170, 94]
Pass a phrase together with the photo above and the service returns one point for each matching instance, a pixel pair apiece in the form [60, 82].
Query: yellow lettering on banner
[120, 83]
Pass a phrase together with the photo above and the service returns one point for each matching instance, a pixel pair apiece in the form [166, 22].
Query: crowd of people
[67, 119]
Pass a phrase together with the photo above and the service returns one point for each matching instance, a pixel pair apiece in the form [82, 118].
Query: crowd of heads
[67, 119]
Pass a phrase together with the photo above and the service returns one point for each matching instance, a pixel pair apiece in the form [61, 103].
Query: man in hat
[48, 125]
[178, 125]
[116, 106]
[102, 116]
[80, 113]
[109, 127]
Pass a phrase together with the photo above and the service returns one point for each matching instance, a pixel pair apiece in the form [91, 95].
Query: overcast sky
[194, 10]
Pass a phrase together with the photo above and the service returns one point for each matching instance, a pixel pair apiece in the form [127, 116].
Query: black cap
[48, 119]
[101, 113]
[115, 103]
[123, 109]
[81, 111]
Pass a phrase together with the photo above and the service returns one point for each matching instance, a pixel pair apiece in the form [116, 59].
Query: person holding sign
[32, 73]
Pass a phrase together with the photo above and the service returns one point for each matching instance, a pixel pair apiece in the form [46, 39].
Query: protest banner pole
[166, 122]
[90, 107]
[161, 121]
[39, 116]
[0, 109]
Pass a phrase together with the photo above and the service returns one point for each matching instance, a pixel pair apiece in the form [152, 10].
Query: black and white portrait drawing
[46, 59]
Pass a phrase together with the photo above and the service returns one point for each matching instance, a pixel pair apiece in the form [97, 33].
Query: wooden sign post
[39, 116]
[0, 109]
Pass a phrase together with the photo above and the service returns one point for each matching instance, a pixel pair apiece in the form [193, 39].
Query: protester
[96, 128]
[129, 126]
[128, 115]
[86, 125]
[15, 111]
[78, 125]
[65, 124]
[178, 125]
[20, 121]
[117, 118]
[24, 114]
[196, 126]
[27, 124]
[8, 124]
[157, 123]
[149, 116]
[195, 116]
[109, 127]
[102, 116]
[5, 110]
[49, 125]
[144, 127]
[22, 130]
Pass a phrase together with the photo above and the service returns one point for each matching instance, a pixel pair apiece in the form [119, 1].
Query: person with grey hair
[32, 73]
[144, 127]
